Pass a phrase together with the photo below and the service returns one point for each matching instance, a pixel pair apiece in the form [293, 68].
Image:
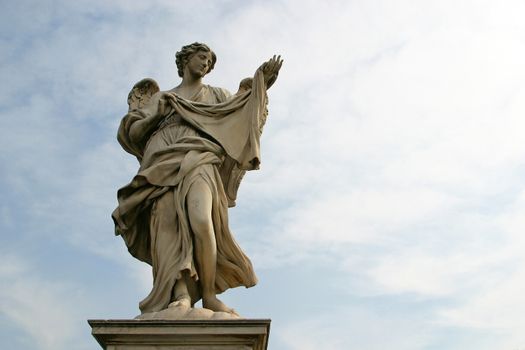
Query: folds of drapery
[235, 124]
[232, 147]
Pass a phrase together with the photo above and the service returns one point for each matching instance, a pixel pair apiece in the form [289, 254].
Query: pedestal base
[242, 334]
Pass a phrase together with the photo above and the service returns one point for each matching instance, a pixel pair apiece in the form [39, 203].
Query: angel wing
[141, 93]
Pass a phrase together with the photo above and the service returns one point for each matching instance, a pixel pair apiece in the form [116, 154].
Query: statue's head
[186, 52]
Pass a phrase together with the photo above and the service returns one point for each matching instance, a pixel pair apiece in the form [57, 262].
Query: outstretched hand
[270, 69]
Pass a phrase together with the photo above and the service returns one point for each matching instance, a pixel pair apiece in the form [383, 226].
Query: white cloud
[417, 157]
[499, 304]
[356, 327]
[43, 308]
[393, 145]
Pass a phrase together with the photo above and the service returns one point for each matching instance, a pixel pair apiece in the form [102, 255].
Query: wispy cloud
[393, 154]
[42, 307]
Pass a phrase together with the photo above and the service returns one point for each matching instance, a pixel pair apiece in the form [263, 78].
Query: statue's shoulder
[142, 92]
[221, 94]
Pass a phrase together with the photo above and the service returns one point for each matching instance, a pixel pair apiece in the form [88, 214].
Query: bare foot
[216, 305]
[182, 301]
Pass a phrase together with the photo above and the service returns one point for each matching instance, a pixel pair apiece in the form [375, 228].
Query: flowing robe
[213, 137]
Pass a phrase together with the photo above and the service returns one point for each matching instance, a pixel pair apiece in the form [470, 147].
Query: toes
[233, 312]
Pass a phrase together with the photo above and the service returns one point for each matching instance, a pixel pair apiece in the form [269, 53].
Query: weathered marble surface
[194, 143]
[181, 334]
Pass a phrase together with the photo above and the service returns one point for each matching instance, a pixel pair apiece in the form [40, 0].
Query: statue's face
[199, 63]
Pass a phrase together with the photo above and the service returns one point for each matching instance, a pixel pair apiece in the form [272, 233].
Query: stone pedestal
[239, 334]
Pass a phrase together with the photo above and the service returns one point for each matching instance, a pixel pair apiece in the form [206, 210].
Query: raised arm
[270, 70]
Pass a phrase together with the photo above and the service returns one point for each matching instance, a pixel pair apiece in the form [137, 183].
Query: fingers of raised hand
[267, 67]
[271, 67]
[279, 62]
[276, 63]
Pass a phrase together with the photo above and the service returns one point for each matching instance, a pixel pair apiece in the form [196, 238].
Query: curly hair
[185, 53]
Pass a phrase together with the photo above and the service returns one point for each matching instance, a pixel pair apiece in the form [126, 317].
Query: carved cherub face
[199, 63]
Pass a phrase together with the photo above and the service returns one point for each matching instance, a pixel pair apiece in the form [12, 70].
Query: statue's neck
[189, 86]
[190, 82]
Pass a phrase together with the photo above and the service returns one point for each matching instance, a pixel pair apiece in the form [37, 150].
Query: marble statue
[194, 143]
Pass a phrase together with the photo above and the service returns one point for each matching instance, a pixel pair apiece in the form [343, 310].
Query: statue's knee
[201, 223]
[199, 209]
[200, 226]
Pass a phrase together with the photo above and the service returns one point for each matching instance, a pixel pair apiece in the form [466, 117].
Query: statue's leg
[163, 228]
[165, 264]
[181, 296]
[199, 203]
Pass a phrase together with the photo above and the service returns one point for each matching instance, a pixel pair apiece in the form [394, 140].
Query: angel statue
[194, 143]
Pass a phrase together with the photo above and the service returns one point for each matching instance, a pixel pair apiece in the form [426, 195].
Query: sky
[388, 210]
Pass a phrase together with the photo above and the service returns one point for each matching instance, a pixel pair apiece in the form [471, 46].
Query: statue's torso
[173, 128]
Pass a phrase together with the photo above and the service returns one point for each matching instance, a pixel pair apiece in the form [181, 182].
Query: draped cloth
[213, 137]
